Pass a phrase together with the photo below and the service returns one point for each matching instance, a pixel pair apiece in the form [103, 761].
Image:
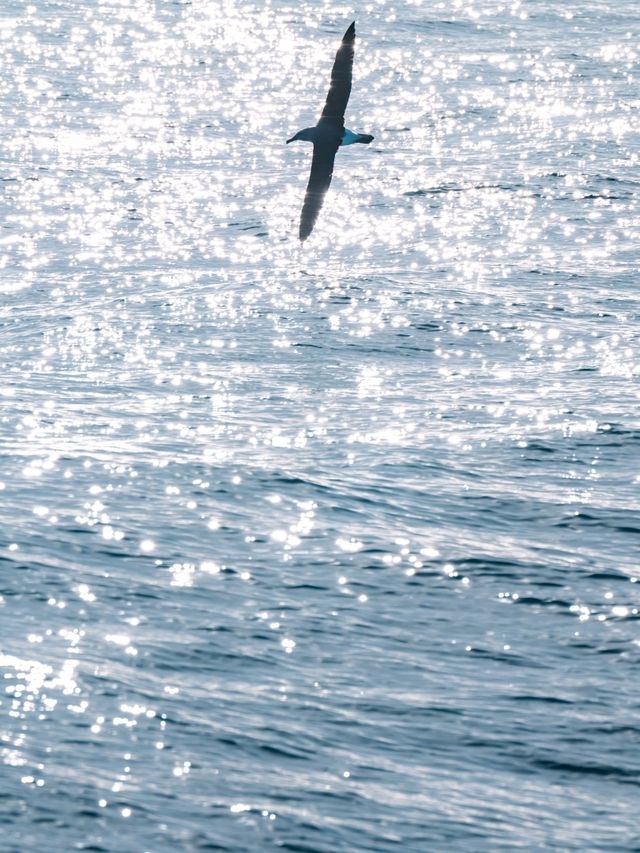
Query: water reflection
[280, 523]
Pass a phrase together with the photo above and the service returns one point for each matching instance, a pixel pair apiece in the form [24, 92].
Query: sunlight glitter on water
[248, 475]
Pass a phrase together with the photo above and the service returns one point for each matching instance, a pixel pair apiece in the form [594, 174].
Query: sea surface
[328, 548]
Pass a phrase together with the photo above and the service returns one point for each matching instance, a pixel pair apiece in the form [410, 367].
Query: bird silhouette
[329, 133]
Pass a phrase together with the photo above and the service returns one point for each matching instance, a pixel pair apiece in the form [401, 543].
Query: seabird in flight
[329, 134]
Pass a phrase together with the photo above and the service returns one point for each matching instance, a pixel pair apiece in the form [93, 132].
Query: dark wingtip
[350, 33]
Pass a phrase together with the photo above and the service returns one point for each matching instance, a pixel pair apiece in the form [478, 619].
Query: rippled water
[332, 548]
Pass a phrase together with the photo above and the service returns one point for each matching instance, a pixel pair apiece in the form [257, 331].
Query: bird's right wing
[340, 87]
[321, 172]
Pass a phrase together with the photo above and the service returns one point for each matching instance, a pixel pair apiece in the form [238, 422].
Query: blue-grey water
[331, 548]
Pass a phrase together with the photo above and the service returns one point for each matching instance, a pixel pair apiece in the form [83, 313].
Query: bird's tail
[364, 137]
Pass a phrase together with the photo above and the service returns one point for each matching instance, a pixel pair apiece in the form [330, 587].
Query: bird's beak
[290, 140]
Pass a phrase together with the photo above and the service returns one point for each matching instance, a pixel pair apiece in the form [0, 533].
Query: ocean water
[334, 547]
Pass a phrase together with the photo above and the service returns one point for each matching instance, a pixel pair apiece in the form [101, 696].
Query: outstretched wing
[340, 88]
[324, 154]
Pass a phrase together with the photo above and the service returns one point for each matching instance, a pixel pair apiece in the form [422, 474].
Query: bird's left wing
[340, 87]
[324, 154]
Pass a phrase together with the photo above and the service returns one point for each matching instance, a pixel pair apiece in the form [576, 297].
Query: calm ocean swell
[330, 548]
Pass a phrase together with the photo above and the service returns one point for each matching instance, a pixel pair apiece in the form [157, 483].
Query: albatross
[329, 134]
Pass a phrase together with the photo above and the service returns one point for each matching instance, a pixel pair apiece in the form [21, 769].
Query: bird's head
[306, 135]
